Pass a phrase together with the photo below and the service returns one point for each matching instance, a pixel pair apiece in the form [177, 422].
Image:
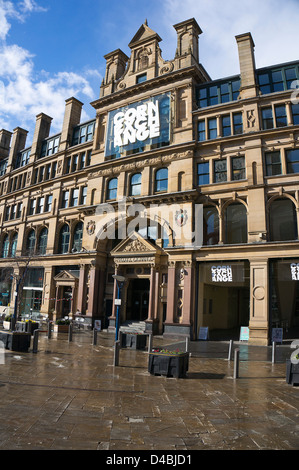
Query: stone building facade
[184, 185]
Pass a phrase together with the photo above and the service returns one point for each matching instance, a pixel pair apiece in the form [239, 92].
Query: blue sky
[51, 50]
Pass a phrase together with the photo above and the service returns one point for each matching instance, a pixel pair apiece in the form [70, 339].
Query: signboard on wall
[203, 333]
[138, 124]
[224, 274]
[244, 333]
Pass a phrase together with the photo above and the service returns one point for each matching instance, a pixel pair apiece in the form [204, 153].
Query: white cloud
[272, 23]
[25, 92]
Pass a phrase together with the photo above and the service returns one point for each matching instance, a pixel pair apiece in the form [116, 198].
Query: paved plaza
[70, 396]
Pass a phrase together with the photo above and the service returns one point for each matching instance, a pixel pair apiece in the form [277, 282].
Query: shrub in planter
[61, 326]
[31, 325]
[168, 363]
[7, 322]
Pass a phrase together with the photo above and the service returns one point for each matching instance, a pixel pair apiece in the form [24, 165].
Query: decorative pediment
[144, 34]
[136, 244]
[65, 276]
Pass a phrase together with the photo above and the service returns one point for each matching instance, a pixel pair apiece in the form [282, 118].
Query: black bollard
[95, 336]
[49, 329]
[230, 351]
[70, 332]
[116, 353]
[35, 341]
[236, 363]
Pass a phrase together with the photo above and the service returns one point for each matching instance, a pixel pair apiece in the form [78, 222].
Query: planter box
[61, 328]
[15, 340]
[292, 373]
[133, 341]
[170, 365]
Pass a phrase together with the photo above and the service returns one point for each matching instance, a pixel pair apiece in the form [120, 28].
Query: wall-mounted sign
[244, 333]
[294, 271]
[222, 273]
[134, 126]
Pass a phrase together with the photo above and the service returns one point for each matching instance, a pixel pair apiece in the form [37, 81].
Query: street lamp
[120, 282]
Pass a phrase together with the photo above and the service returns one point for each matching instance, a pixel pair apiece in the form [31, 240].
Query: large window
[30, 244]
[83, 133]
[5, 247]
[218, 92]
[273, 163]
[112, 189]
[78, 235]
[220, 171]
[42, 241]
[267, 118]
[50, 146]
[64, 239]
[161, 180]
[203, 173]
[236, 224]
[282, 220]
[135, 185]
[238, 168]
[210, 225]
[278, 79]
[292, 160]
[14, 242]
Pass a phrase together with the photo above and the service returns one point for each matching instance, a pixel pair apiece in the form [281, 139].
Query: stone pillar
[41, 132]
[5, 138]
[18, 143]
[171, 293]
[188, 304]
[93, 292]
[247, 65]
[72, 116]
[81, 303]
[259, 302]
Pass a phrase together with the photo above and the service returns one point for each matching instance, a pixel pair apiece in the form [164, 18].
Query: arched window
[210, 225]
[135, 186]
[5, 247]
[161, 181]
[236, 224]
[78, 235]
[42, 241]
[30, 245]
[64, 239]
[14, 242]
[282, 220]
[112, 189]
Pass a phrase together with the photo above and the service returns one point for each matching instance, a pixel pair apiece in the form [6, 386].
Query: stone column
[259, 301]
[187, 305]
[93, 292]
[170, 293]
[81, 303]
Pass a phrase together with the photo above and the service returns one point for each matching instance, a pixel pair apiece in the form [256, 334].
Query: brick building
[185, 186]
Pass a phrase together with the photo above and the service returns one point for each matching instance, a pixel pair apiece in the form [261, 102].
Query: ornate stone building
[185, 186]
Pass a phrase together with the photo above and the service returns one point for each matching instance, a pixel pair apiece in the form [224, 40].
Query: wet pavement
[70, 396]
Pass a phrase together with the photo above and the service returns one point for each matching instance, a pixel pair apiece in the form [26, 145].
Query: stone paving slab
[70, 396]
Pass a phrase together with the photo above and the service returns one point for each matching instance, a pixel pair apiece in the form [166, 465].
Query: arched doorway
[137, 299]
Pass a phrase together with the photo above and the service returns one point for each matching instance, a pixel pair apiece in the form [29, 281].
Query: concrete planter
[15, 340]
[292, 373]
[170, 365]
[61, 328]
[133, 340]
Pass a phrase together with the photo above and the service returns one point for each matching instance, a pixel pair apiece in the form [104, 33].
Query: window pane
[292, 157]
[236, 224]
[238, 123]
[212, 128]
[226, 127]
[277, 81]
[201, 131]
[282, 218]
[162, 180]
[281, 116]
[267, 118]
[295, 113]
[220, 173]
[273, 163]
[210, 226]
[238, 168]
[203, 173]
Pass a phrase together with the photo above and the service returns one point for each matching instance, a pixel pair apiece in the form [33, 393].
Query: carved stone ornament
[135, 245]
[90, 227]
[181, 217]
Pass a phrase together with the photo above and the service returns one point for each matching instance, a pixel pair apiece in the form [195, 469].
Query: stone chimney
[41, 132]
[187, 42]
[18, 143]
[72, 116]
[5, 138]
[247, 65]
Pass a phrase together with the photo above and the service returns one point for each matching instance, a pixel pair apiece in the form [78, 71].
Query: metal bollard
[35, 341]
[49, 329]
[116, 353]
[236, 363]
[230, 351]
[150, 343]
[95, 336]
[70, 332]
[187, 344]
[273, 351]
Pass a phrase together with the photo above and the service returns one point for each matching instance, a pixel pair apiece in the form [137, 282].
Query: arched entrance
[137, 299]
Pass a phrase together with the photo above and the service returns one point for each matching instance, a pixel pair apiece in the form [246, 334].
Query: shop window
[64, 239]
[161, 180]
[135, 185]
[282, 220]
[30, 244]
[112, 189]
[273, 163]
[78, 235]
[5, 247]
[210, 225]
[14, 243]
[235, 224]
[42, 241]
